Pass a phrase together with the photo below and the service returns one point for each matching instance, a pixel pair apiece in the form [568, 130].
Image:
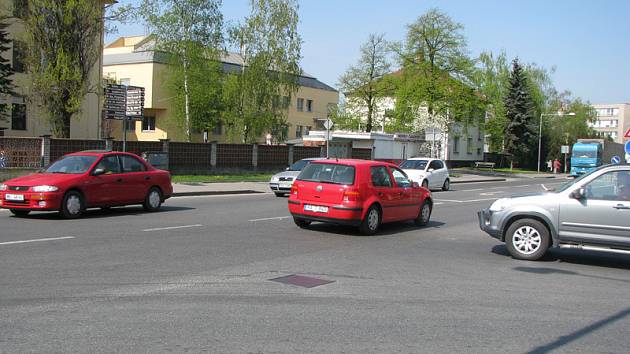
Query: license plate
[316, 208]
[18, 197]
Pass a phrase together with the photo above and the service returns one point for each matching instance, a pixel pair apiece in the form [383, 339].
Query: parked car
[429, 173]
[281, 182]
[591, 212]
[357, 192]
[87, 179]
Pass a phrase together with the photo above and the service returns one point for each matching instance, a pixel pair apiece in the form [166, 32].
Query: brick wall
[60, 147]
[304, 152]
[21, 152]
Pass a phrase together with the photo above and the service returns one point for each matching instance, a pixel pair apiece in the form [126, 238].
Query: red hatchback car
[88, 179]
[357, 192]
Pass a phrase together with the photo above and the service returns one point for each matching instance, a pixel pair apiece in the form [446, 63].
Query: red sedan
[357, 192]
[88, 179]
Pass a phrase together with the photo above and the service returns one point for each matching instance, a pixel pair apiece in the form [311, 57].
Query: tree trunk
[368, 126]
[186, 101]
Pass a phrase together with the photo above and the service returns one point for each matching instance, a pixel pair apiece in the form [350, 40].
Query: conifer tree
[6, 71]
[520, 138]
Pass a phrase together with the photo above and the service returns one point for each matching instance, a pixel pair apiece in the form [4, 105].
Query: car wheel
[527, 239]
[447, 185]
[425, 184]
[301, 223]
[424, 214]
[153, 200]
[72, 205]
[20, 212]
[371, 222]
[278, 194]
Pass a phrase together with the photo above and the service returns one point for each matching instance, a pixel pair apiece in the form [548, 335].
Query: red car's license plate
[316, 208]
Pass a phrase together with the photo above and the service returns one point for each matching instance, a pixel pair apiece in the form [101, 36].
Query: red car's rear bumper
[32, 201]
[336, 214]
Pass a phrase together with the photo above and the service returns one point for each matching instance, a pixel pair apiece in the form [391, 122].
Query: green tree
[190, 31]
[435, 86]
[520, 132]
[362, 83]
[256, 98]
[6, 71]
[61, 37]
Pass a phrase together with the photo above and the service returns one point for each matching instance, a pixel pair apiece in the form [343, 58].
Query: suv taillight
[351, 195]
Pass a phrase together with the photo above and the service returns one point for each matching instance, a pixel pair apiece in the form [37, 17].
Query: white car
[281, 182]
[429, 173]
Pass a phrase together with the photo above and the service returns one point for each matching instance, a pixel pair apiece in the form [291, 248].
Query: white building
[613, 120]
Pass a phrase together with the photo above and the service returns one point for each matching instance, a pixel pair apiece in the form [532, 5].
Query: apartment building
[133, 61]
[26, 118]
[613, 120]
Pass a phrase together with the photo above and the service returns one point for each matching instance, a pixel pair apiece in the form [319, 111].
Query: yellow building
[26, 118]
[131, 61]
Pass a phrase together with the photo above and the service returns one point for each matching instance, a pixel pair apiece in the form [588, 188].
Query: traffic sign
[615, 160]
[627, 134]
[564, 149]
[328, 124]
[628, 147]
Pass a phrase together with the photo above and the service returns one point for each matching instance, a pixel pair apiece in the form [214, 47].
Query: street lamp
[559, 114]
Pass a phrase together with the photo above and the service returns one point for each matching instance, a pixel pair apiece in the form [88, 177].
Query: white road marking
[172, 227]
[36, 240]
[465, 201]
[274, 218]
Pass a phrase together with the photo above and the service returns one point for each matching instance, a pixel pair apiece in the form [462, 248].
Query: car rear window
[327, 173]
[414, 164]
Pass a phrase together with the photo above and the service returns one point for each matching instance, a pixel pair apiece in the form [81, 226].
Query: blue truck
[588, 154]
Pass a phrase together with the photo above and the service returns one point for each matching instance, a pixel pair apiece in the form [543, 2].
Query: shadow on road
[589, 258]
[564, 340]
[388, 229]
[104, 213]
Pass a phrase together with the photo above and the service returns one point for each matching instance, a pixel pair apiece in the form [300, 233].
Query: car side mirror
[578, 194]
[286, 169]
[415, 185]
[98, 171]
[431, 170]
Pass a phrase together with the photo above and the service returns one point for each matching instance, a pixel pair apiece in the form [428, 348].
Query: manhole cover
[300, 280]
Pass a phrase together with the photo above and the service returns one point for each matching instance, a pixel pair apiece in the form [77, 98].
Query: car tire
[19, 212]
[527, 239]
[447, 185]
[72, 205]
[425, 184]
[153, 200]
[424, 215]
[278, 194]
[371, 221]
[301, 223]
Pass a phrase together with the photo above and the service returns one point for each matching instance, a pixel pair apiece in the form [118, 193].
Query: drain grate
[303, 281]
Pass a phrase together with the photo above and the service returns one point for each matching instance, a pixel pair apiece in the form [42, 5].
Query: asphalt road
[195, 278]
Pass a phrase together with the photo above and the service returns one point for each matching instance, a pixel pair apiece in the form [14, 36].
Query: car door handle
[147, 178]
[119, 180]
[380, 194]
[621, 206]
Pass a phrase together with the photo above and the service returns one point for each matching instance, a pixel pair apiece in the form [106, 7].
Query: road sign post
[565, 150]
[328, 124]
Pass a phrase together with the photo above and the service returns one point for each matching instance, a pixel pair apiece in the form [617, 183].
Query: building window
[20, 8]
[479, 134]
[309, 105]
[307, 129]
[298, 131]
[300, 104]
[18, 116]
[456, 144]
[131, 125]
[148, 123]
[286, 102]
[19, 56]
[478, 151]
[469, 146]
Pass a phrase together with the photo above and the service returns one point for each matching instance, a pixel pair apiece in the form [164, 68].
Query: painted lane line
[36, 240]
[274, 218]
[172, 227]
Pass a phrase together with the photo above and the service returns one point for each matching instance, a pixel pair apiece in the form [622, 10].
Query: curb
[190, 194]
[481, 180]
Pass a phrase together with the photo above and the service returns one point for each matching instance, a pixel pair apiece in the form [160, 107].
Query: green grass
[243, 177]
[514, 170]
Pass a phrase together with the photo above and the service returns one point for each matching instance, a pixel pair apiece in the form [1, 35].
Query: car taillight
[294, 189]
[351, 196]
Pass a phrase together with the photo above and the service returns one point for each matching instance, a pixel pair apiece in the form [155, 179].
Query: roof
[143, 52]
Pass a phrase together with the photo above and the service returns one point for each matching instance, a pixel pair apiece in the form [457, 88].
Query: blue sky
[587, 41]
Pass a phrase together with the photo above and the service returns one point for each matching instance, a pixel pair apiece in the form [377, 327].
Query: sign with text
[564, 149]
[123, 102]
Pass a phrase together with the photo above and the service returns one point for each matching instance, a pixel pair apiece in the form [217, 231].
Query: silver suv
[591, 213]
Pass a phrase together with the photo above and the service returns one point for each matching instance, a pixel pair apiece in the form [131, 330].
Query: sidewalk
[192, 189]
[489, 173]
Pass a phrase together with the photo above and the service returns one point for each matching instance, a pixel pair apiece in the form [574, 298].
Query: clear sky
[587, 41]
